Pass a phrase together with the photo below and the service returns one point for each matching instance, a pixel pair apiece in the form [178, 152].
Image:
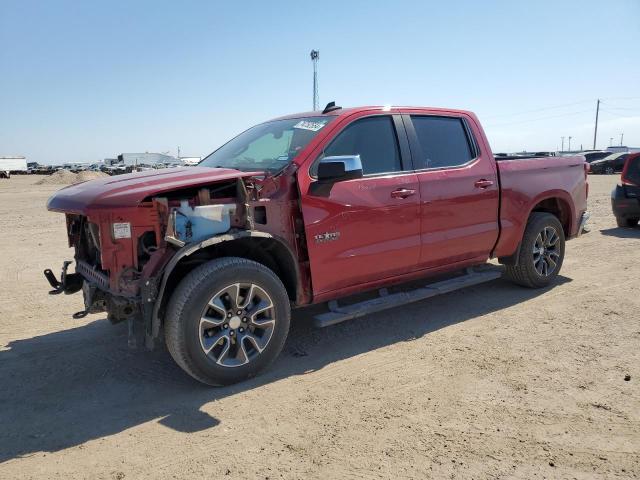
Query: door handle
[402, 193]
[483, 183]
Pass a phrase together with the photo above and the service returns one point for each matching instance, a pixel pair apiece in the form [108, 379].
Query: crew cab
[311, 208]
[625, 197]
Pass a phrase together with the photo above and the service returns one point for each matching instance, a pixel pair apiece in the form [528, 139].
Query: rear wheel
[227, 320]
[541, 252]
[627, 222]
[609, 171]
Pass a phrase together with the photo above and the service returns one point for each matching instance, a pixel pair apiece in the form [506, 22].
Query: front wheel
[541, 252]
[227, 320]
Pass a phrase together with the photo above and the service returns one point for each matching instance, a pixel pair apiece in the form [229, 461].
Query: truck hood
[129, 190]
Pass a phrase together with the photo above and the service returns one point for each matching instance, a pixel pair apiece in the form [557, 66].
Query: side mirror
[339, 168]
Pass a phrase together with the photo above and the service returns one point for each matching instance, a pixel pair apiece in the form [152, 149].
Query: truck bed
[525, 182]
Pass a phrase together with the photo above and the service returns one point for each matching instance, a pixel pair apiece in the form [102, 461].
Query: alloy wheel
[237, 324]
[546, 251]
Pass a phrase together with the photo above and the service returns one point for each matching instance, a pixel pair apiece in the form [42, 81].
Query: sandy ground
[495, 381]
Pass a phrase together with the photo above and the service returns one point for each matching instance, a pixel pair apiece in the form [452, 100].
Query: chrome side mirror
[339, 168]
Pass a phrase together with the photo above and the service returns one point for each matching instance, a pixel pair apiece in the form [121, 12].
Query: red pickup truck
[310, 208]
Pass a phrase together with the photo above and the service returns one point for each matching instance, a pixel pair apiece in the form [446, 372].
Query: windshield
[613, 156]
[269, 146]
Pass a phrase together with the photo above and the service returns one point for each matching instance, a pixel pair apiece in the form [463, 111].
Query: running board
[339, 314]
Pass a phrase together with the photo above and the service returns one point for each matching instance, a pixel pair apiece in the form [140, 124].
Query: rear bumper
[583, 222]
[623, 206]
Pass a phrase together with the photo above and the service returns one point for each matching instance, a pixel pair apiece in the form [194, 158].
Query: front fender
[190, 249]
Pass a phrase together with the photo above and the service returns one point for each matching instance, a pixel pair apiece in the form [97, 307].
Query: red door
[458, 189]
[365, 229]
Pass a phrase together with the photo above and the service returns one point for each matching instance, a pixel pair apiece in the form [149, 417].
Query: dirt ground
[494, 381]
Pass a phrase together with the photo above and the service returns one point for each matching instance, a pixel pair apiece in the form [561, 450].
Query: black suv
[625, 198]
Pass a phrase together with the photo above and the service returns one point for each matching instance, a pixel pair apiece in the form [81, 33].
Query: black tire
[189, 303]
[627, 222]
[525, 272]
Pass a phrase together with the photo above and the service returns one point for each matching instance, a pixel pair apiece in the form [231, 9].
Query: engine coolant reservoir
[203, 221]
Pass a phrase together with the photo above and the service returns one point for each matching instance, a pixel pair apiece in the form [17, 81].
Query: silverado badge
[327, 237]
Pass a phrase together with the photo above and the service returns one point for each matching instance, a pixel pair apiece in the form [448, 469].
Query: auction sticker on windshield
[307, 125]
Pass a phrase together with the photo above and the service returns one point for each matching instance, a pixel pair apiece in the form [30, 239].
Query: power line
[619, 114]
[595, 130]
[623, 108]
[539, 109]
[554, 107]
[621, 98]
[539, 118]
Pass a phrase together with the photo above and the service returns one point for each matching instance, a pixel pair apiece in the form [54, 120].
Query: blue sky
[82, 80]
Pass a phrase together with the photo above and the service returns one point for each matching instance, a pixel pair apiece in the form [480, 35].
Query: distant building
[15, 163]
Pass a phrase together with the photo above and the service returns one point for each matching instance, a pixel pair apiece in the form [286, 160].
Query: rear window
[443, 140]
[632, 174]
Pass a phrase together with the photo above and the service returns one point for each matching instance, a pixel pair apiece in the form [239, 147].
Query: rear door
[459, 192]
[364, 229]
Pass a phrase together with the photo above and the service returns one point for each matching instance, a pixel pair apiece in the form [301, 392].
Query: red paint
[458, 223]
[390, 228]
[624, 177]
[526, 183]
[129, 190]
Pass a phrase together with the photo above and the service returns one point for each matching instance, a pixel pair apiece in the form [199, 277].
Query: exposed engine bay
[123, 255]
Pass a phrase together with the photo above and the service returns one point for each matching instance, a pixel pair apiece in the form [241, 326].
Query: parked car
[610, 164]
[592, 156]
[625, 198]
[307, 209]
[116, 169]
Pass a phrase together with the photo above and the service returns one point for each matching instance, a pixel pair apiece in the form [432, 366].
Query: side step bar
[339, 314]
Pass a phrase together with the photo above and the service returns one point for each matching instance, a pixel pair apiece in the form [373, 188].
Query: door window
[443, 140]
[374, 139]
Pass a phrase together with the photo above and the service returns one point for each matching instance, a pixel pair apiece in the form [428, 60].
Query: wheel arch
[260, 247]
[560, 207]
[557, 203]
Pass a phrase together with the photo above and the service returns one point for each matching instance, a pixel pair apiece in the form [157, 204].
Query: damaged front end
[122, 251]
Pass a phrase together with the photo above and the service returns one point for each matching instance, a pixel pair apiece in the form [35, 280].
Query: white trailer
[12, 164]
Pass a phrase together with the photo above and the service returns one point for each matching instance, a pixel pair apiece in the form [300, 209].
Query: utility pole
[569, 142]
[562, 144]
[315, 56]
[621, 137]
[610, 141]
[595, 130]
[178, 152]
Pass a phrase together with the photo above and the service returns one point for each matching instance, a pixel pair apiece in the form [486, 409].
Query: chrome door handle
[483, 183]
[402, 193]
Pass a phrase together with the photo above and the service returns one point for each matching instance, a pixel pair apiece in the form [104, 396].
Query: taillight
[631, 171]
[587, 169]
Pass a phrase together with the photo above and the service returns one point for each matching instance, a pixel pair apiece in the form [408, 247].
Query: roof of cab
[382, 108]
